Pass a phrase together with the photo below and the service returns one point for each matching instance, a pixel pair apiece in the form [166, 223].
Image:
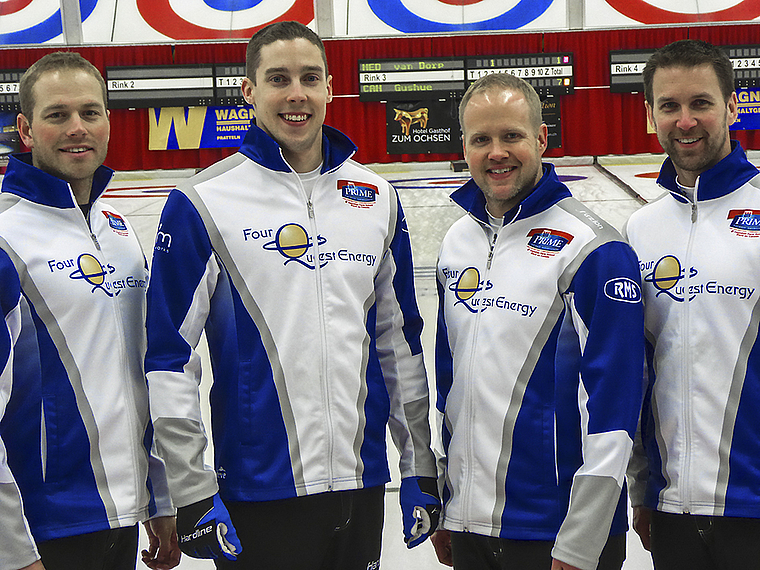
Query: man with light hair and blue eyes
[76, 470]
[539, 355]
[695, 475]
[296, 262]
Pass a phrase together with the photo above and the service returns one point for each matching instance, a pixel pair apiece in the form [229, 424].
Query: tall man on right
[695, 475]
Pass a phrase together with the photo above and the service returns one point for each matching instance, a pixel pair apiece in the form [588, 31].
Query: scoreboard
[406, 79]
[160, 86]
[9, 89]
[626, 67]
[410, 79]
[549, 73]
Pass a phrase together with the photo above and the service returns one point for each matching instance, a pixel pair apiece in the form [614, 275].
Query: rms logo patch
[623, 289]
[358, 194]
[116, 222]
[745, 223]
[545, 242]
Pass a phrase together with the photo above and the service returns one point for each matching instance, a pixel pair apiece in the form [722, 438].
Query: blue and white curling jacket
[75, 434]
[700, 266]
[540, 354]
[312, 324]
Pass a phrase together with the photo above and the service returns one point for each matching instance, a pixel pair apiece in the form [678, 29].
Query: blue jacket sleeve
[18, 547]
[183, 277]
[399, 347]
[605, 304]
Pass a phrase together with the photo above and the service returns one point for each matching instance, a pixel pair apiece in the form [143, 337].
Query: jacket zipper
[323, 340]
[468, 409]
[685, 363]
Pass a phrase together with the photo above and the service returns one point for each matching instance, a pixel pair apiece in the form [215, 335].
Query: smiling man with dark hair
[695, 486]
[313, 331]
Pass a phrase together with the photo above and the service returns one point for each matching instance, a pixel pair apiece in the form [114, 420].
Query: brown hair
[68, 60]
[275, 32]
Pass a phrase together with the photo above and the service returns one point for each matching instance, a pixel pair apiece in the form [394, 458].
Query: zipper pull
[693, 212]
[95, 241]
[490, 253]
[310, 208]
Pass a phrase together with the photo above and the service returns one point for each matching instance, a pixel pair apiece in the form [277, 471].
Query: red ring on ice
[8, 7]
[645, 13]
[460, 2]
[160, 16]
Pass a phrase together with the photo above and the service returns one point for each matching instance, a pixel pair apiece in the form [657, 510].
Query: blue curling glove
[205, 530]
[420, 508]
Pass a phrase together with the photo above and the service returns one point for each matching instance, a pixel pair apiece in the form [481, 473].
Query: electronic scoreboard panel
[746, 61]
[9, 79]
[409, 79]
[164, 86]
[414, 79]
[626, 67]
[228, 80]
[548, 73]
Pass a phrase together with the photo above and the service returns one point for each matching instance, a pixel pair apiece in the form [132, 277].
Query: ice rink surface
[613, 186]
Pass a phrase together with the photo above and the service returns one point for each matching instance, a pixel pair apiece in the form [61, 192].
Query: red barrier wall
[594, 121]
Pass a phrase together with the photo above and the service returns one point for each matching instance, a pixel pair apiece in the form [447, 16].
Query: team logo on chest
[546, 242]
[117, 223]
[745, 223]
[358, 194]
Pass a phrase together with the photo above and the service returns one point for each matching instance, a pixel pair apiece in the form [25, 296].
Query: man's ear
[650, 116]
[25, 130]
[247, 89]
[733, 108]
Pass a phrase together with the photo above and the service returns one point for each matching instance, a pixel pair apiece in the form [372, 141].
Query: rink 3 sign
[422, 127]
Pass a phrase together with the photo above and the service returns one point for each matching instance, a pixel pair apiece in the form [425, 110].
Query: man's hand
[642, 520]
[205, 530]
[420, 508]
[34, 566]
[441, 540]
[163, 551]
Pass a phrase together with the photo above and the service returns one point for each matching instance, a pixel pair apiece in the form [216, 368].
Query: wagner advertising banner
[749, 109]
[173, 128]
[422, 127]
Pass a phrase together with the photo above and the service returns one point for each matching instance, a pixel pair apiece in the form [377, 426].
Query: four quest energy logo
[293, 242]
[88, 268]
[666, 275]
[468, 283]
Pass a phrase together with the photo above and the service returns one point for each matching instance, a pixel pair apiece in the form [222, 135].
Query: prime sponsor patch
[117, 223]
[358, 194]
[546, 242]
[745, 223]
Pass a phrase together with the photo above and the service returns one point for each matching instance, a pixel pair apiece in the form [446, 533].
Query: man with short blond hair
[539, 355]
[76, 470]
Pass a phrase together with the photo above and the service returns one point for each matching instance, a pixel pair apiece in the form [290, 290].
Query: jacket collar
[729, 174]
[29, 182]
[546, 193]
[337, 148]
